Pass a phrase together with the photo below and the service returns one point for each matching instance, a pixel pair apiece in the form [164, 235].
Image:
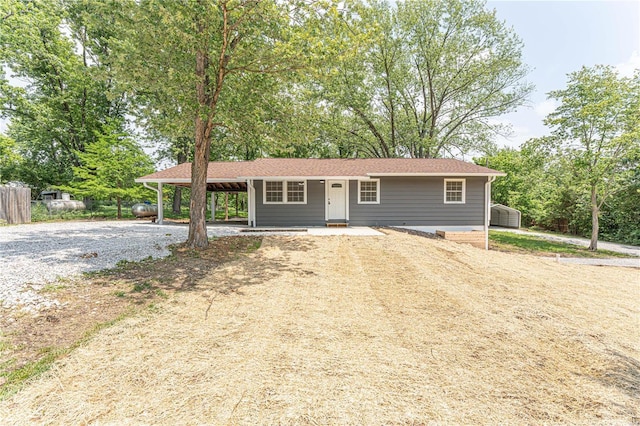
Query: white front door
[337, 200]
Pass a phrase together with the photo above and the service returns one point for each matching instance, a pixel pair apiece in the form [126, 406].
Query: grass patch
[508, 241]
[254, 246]
[161, 294]
[52, 288]
[16, 379]
[4, 345]
[141, 287]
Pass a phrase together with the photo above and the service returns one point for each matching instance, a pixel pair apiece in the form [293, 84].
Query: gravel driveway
[35, 254]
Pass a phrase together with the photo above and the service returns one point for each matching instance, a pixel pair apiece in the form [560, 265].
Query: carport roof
[239, 171]
[504, 208]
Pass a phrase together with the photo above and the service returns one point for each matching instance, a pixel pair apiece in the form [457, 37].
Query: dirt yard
[398, 329]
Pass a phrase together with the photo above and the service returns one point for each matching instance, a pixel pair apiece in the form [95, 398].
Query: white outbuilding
[504, 216]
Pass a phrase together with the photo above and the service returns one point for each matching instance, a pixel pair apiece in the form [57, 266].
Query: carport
[505, 216]
[220, 178]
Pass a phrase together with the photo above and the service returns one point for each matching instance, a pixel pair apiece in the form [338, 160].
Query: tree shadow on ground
[623, 374]
[263, 268]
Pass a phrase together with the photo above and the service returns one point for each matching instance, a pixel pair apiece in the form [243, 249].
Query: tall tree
[428, 78]
[109, 168]
[200, 53]
[597, 128]
[61, 91]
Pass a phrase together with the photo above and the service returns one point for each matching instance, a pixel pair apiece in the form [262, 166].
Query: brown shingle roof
[321, 168]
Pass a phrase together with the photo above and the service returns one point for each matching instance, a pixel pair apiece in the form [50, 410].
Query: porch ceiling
[227, 186]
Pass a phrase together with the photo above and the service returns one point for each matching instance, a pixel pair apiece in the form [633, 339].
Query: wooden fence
[15, 205]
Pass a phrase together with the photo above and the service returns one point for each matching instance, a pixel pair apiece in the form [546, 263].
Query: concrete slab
[628, 262]
[356, 231]
[433, 229]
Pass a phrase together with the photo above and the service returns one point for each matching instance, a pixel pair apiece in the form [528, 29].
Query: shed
[504, 216]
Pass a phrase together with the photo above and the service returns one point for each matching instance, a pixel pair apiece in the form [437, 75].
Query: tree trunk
[595, 225]
[177, 200]
[198, 206]
[207, 94]
[119, 202]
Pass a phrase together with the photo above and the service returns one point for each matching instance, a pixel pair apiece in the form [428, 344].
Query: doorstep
[337, 224]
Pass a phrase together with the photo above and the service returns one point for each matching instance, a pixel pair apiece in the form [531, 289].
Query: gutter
[293, 177]
[438, 174]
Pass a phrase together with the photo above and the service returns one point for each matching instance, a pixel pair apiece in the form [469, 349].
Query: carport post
[213, 206]
[160, 206]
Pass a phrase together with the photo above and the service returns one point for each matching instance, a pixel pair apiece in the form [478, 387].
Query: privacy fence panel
[15, 205]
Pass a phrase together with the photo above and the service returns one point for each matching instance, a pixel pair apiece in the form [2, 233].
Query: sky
[561, 37]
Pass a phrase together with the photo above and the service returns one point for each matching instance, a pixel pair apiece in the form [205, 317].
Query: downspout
[487, 216]
[158, 191]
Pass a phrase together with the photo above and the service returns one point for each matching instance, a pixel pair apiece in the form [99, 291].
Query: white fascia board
[306, 177]
[448, 174]
[164, 180]
[183, 180]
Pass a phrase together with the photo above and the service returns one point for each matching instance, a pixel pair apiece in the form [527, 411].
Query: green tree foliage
[427, 78]
[10, 159]
[584, 178]
[620, 219]
[202, 57]
[596, 128]
[61, 91]
[109, 167]
[528, 182]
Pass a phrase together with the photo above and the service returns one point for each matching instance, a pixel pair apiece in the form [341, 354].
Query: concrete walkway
[613, 261]
[355, 231]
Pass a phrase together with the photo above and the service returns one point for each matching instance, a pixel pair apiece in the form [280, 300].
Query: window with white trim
[369, 191]
[273, 192]
[295, 192]
[285, 192]
[454, 191]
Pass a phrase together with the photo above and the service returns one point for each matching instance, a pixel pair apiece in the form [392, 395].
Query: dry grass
[377, 330]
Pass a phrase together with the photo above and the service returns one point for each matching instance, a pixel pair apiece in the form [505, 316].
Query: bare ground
[362, 330]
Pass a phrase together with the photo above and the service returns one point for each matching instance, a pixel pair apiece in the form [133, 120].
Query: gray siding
[310, 214]
[418, 201]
